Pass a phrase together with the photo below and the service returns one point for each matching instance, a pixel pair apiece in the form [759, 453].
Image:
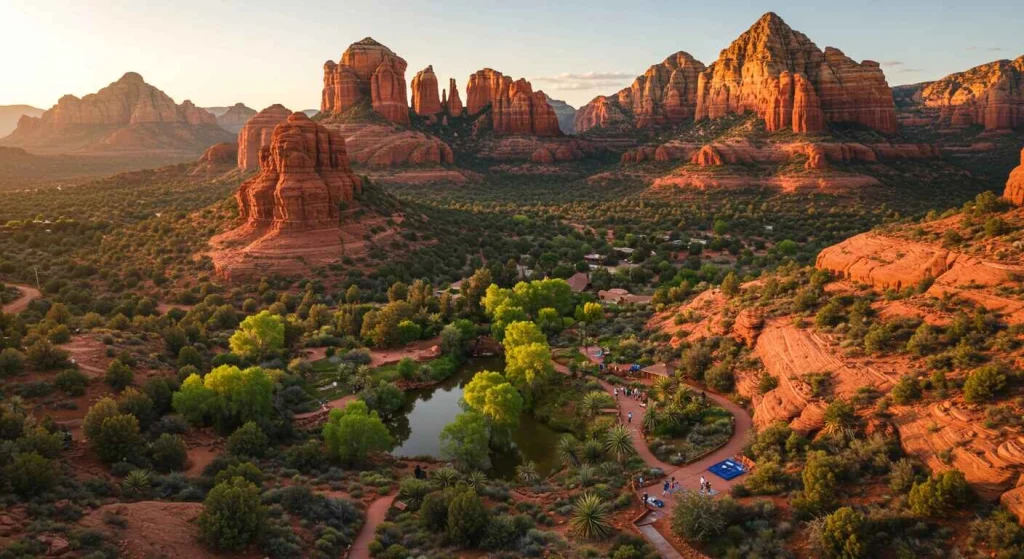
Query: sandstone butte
[770, 70]
[370, 71]
[257, 134]
[128, 102]
[425, 101]
[235, 117]
[991, 95]
[665, 93]
[1015, 184]
[515, 109]
[217, 158]
[450, 99]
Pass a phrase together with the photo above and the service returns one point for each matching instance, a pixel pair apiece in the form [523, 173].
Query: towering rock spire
[367, 70]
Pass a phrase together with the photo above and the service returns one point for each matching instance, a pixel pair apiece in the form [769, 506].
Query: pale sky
[259, 52]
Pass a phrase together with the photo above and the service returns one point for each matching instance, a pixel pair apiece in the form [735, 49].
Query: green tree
[232, 515]
[588, 315]
[843, 535]
[119, 439]
[258, 336]
[467, 518]
[820, 479]
[168, 453]
[249, 441]
[409, 331]
[386, 398]
[985, 383]
[138, 404]
[906, 390]
[353, 432]
[466, 441]
[940, 494]
[494, 397]
[731, 284]
[97, 414]
[527, 366]
[31, 474]
[697, 517]
[118, 375]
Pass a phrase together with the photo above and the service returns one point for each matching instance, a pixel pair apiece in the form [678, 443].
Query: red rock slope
[257, 133]
[991, 95]
[128, 115]
[370, 71]
[1015, 184]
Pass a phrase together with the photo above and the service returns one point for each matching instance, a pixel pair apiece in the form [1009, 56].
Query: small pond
[428, 410]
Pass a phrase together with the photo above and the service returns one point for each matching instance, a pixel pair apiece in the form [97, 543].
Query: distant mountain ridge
[10, 114]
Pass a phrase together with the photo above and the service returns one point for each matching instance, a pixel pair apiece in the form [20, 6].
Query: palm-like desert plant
[477, 480]
[569, 450]
[619, 443]
[593, 451]
[527, 473]
[590, 518]
[595, 401]
[136, 482]
[445, 477]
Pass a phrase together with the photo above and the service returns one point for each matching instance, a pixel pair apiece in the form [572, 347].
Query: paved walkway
[375, 514]
[28, 294]
[687, 475]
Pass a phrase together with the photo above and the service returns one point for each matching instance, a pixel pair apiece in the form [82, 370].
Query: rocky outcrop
[515, 109]
[128, 115]
[533, 149]
[217, 158]
[780, 75]
[381, 146]
[235, 118]
[257, 134]
[818, 154]
[304, 176]
[450, 99]
[566, 114]
[424, 93]
[991, 95]
[665, 94]
[367, 71]
[1015, 184]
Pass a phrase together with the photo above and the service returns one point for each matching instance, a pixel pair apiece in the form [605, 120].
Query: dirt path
[374, 516]
[28, 294]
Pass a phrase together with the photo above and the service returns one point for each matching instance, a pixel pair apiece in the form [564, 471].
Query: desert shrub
[467, 518]
[138, 404]
[168, 453]
[305, 457]
[354, 432]
[940, 494]
[434, 511]
[248, 440]
[698, 518]
[71, 381]
[45, 356]
[245, 470]
[12, 362]
[31, 474]
[119, 440]
[767, 479]
[843, 535]
[985, 383]
[232, 515]
[41, 441]
[820, 480]
[902, 476]
[118, 375]
[385, 398]
[906, 390]
[412, 491]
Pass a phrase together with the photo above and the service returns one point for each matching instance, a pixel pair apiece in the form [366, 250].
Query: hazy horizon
[261, 53]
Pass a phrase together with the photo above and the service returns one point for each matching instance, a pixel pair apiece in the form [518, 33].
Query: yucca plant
[651, 419]
[477, 480]
[569, 451]
[590, 518]
[445, 477]
[593, 451]
[663, 389]
[619, 443]
[586, 473]
[595, 401]
[136, 482]
[527, 473]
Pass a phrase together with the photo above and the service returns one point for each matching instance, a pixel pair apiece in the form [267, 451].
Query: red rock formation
[235, 118]
[128, 114]
[378, 146]
[665, 93]
[304, 176]
[1015, 184]
[707, 156]
[991, 95]
[424, 93]
[515, 107]
[453, 102]
[749, 77]
[257, 134]
[370, 71]
[224, 152]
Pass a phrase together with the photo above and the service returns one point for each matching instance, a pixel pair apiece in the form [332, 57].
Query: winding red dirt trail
[375, 514]
[28, 294]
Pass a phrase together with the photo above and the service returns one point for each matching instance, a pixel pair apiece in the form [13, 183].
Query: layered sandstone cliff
[665, 93]
[257, 134]
[1015, 184]
[781, 75]
[450, 99]
[235, 118]
[991, 95]
[367, 71]
[128, 115]
[514, 107]
[425, 101]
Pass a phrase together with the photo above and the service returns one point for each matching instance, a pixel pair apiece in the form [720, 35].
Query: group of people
[669, 488]
[634, 393]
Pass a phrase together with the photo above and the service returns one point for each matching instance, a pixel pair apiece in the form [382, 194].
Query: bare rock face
[451, 100]
[304, 176]
[128, 115]
[991, 95]
[665, 93]
[257, 134]
[235, 118]
[379, 146]
[424, 93]
[781, 75]
[367, 70]
[1015, 184]
[218, 158]
[515, 109]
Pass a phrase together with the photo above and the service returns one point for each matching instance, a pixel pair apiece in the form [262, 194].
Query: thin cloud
[899, 66]
[988, 49]
[585, 81]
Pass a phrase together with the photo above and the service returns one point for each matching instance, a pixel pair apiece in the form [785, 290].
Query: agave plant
[586, 473]
[477, 480]
[619, 443]
[593, 451]
[445, 477]
[590, 518]
[839, 419]
[527, 473]
[136, 482]
[569, 450]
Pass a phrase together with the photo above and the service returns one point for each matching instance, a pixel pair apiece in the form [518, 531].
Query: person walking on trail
[630, 417]
[616, 393]
[703, 482]
[709, 488]
[665, 487]
[646, 500]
